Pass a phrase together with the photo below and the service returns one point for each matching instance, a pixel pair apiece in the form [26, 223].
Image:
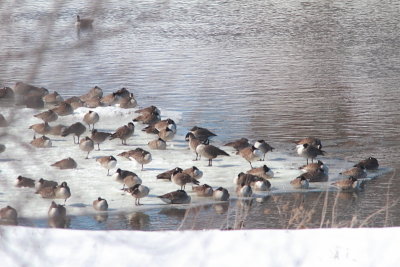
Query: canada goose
[250, 154]
[310, 141]
[156, 127]
[314, 166]
[181, 179]
[239, 144]
[263, 172]
[57, 211]
[127, 102]
[91, 118]
[93, 102]
[95, 92]
[41, 142]
[202, 134]
[67, 163]
[158, 144]
[9, 215]
[47, 116]
[264, 147]
[42, 183]
[244, 190]
[124, 132]
[86, 145]
[108, 162]
[348, 184]
[356, 172]
[75, 102]
[166, 176]
[120, 176]
[139, 191]
[99, 137]
[131, 180]
[123, 93]
[110, 99]
[57, 130]
[3, 121]
[100, 204]
[221, 194]
[203, 190]
[210, 152]
[77, 129]
[6, 92]
[24, 182]
[309, 151]
[255, 182]
[193, 143]
[63, 109]
[300, 182]
[141, 156]
[83, 24]
[150, 109]
[61, 191]
[24, 89]
[194, 172]
[317, 175]
[166, 134]
[148, 118]
[2, 148]
[176, 197]
[40, 128]
[369, 163]
[53, 98]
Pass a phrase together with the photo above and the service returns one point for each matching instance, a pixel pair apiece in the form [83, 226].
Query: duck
[300, 182]
[64, 164]
[87, 145]
[181, 179]
[76, 129]
[99, 137]
[47, 116]
[108, 162]
[239, 144]
[221, 194]
[123, 132]
[203, 190]
[263, 172]
[158, 144]
[83, 24]
[91, 117]
[309, 151]
[210, 152]
[176, 197]
[24, 182]
[139, 191]
[264, 147]
[250, 154]
[41, 142]
[100, 204]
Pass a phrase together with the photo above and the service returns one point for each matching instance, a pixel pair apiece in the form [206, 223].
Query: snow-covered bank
[22, 246]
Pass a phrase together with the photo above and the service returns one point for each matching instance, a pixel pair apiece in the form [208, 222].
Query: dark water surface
[274, 70]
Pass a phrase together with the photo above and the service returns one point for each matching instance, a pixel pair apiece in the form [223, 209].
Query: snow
[23, 246]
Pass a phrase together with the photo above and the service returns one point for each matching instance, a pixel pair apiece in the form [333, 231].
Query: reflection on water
[276, 70]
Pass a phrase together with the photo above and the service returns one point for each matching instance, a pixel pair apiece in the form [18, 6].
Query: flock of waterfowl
[198, 139]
